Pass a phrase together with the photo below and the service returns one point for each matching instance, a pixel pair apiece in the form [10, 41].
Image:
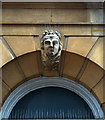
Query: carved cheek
[56, 46]
[46, 46]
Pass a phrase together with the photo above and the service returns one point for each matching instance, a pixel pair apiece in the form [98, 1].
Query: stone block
[97, 54]
[98, 90]
[5, 92]
[26, 16]
[21, 44]
[70, 64]
[81, 45]
[70, 16]
[30, 64]
[4, 53]
[12, 74]
[92, 74]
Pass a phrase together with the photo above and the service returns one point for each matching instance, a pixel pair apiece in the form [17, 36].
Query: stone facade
[82, 59]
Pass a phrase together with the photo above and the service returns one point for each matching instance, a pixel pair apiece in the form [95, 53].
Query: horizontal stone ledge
[52, 5]
[74, 29]
[52, 16]
[53, 1]
[29, 23]
[63, 35]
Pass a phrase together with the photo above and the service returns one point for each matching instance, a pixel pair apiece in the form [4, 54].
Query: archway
[37, 83]
[51, 103]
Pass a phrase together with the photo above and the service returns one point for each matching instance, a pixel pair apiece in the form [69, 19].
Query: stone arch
[41, 82]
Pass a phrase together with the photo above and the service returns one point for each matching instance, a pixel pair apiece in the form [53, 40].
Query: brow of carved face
[51, 42]
[47, 42]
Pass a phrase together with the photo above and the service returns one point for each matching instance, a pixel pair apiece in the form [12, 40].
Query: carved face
[51, 45]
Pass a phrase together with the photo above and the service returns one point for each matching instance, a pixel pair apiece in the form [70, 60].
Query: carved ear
[42, 44]
[60, 45]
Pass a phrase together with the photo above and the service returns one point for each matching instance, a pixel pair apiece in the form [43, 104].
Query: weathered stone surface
[53, 16]
[71, 22]
[70, 16]
[81, 45]
[103, 107]
[92, 74]
[26, 16]
[30, 64]
[5, 92]
[4, 53]
[70, 64]
[20, 70]
[98, 90]
[97, 54]
[12, 74]
[98, 30]
[96, 16]
[21, 45]
[38, 29]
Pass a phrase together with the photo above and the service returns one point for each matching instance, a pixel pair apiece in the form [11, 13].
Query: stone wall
[85, 20]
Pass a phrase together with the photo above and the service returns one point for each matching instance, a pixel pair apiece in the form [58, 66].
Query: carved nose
[51, 44]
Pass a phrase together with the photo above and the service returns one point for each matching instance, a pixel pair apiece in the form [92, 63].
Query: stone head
[51, 43]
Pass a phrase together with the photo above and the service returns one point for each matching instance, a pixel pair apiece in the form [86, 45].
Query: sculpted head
[51, 43]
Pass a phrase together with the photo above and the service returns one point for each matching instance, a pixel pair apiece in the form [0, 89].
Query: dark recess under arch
[51, 103]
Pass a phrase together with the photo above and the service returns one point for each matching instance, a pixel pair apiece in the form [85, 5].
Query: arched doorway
[51, 103]
[74, 89]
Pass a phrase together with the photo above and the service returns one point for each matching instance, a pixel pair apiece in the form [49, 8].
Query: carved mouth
[51, 50]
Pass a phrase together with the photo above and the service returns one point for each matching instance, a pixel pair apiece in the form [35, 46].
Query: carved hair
[50, 32]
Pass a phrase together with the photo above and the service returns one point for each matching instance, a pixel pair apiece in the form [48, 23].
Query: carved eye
[55, 42]
[47, 42]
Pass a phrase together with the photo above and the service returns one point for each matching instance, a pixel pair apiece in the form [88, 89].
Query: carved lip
[51, 49]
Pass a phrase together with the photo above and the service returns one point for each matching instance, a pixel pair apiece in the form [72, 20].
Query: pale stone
[26, 16]
[70, 64]
[70, 16]
[96, 16]
[92, 74]
[98, 30]
[98, 90]
[5, 91]
[30, 64]
[53, 16]
[80, 45]
[12, 74]
[38, 29]
[6, 56]
[21, 45]
[98, 53]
